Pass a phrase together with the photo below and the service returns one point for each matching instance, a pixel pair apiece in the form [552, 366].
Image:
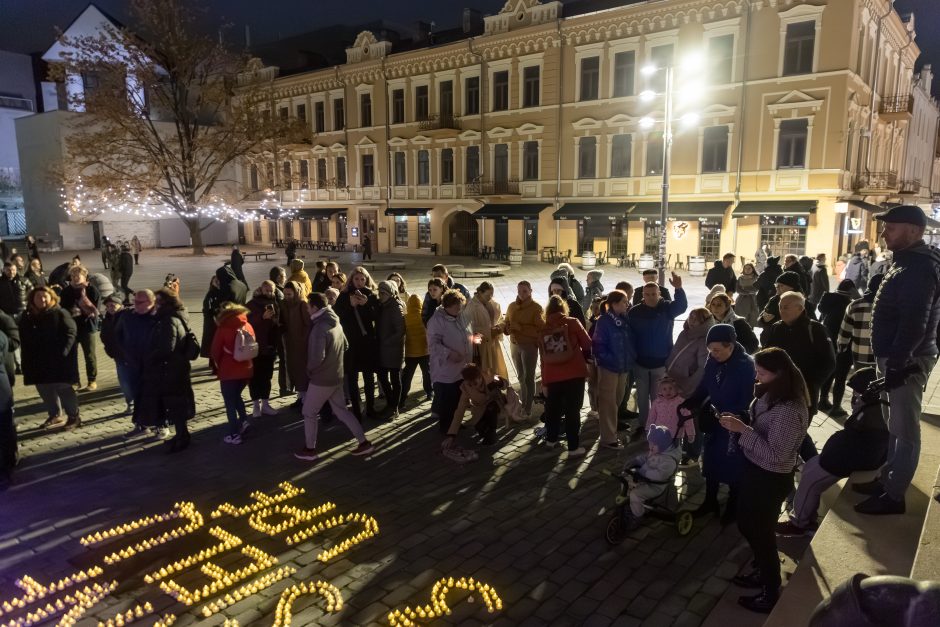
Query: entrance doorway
[501, 236]
[531, 232]
[463, 234]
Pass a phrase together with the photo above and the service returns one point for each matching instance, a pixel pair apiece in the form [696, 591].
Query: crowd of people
[735, 391]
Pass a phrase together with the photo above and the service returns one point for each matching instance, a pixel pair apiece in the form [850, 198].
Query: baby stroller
[622, 521]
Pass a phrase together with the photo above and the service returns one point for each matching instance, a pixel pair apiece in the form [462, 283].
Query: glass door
[531, 232]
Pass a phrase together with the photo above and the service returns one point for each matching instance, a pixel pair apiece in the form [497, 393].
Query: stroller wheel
[684, 522]
[616, 531]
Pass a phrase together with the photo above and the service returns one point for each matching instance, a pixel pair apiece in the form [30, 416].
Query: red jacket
[576, 367]
[223, 343]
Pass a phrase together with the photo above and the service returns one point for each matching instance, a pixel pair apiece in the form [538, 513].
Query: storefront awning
[685, 210]
[774, 208]
[866, 206]
[406, 211]
[319, 213]
[592, 210]
[506, 211]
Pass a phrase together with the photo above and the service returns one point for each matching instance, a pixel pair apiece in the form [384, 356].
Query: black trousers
[390, 380]
[836, 381]
[565, 398]
[136, 259]
[259, 387]
[408, 373]
[8, 449]
[761, 495]
[283, 380]
[352, 386]
[125, 280]
[89, 344]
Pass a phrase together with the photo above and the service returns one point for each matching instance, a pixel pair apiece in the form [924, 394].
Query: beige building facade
[535, 134]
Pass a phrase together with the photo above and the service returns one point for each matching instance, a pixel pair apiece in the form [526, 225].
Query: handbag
[190, 344]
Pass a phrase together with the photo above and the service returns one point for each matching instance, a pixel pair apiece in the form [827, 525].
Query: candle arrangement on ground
[438, 606]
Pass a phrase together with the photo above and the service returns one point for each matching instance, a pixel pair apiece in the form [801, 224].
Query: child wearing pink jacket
[665, 407]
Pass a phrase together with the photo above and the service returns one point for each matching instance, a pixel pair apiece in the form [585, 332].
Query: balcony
[480, 187]
[896, 108]
[909, 186]
[876, 182]
[440, 124]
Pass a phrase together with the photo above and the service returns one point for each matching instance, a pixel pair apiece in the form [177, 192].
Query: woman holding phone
[778, 421]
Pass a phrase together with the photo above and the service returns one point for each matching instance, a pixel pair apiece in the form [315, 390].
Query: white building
[17, 99]
[917, 167]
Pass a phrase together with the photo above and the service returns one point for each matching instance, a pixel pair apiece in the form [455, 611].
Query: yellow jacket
[524, 321]
[416, 335]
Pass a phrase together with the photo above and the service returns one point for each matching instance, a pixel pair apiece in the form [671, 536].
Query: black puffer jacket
[359, 326]
[13, 293]
[48, 347]
[166, 389]
[720, 275]
[765, 281]
[808, 345]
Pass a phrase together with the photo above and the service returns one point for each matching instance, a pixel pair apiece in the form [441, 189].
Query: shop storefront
[782, 224]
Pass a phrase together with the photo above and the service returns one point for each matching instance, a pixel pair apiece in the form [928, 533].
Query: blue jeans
[126, 380]
[903, 418]
[234, 405]
[646, 380]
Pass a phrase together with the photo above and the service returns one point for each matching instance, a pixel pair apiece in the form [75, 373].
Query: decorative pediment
[367, 48]
[794, 100]
[621, 119]
[420, 140]
[319, 149]
[397, 141]
[469, 135]
[338, 147]
[519, 14]
[586, 123]
[365, 141]
[529, 129]
[718, 111]
[498, 132]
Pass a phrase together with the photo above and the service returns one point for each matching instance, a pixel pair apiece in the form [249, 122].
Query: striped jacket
[855, 332]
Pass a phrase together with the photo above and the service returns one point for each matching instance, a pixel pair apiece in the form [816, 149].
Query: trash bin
[646, 262]
[434, 249]
[697, 266]
[588, 260]
[515, 256]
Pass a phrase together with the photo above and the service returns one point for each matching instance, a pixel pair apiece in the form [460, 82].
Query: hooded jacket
[594, 290]
[857, 270]
[745, 332]
[819, 283]
[652, 329]
[430, 305]
[299, 275]
[449, 346]
[613, 344]
[267, 330]
[295, 324]
[390, 332]
[233, 290]
[223, 345]
[325, 347]
[766, 279]
[687, 359]
[574, 307]
[565, 271]
[720, 275]
[416, 337]
[906, 309]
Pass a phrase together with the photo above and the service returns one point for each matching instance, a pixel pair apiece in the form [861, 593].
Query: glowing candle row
[36, 591]
[138, 525]
[370, 524]
[83, 599]
[229, 541]
[248, 590]
[334, 600]
[166, 621]
[222, 578]
[295, 516]
[186, 510]
[129, 616]
[439, 607]
[86, 599]
[288, 491]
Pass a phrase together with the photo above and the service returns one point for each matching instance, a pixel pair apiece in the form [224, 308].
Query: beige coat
[482, 317]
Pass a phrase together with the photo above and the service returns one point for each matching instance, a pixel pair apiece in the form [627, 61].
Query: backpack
[555, 345]
[246, 347]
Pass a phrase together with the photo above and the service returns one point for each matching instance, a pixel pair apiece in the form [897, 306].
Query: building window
[530, 86]
[341, 172]
[321, 173]
[791, 144]
[620, 155]
[473, 164]
[530, 161]
[446, 102]
[305, 229]
[660, 58]
[422, 106]
[652, 231]
[319, 117]
[424, 231]
[398, 106]
[401, 231]
[447, 166]
[342, 227]
[654, 153]
[786, 235]
[501, 90]
[256, 231]
[304, 174]
[715, 149]
[472, 94]
[720, 59]
[587, 158]
[285, 175]
[798, 48]
[368, 171]
[400, 178]
[365, 109]
[269, 175]
[590, 78]
[253, 178]
[323, 230]
[709, 239]
[500, 163]
[624, 70]
[302, 112]
[284, 112]
[339, 115]
[272, 230]
[424, 167]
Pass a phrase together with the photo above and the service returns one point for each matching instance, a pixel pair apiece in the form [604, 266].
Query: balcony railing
[480, 187]
[897, 104]
[439, 121]
[911, 186]
[876, 181]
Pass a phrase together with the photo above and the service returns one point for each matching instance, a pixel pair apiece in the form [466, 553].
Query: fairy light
[438, 606]
[283, 612]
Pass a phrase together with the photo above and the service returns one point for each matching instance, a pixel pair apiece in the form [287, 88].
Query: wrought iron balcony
[439, 122]
[898, 107]
[911, 186]
[876, 181]
[480, 187]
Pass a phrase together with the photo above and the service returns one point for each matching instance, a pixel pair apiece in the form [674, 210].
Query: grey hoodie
[326, 344]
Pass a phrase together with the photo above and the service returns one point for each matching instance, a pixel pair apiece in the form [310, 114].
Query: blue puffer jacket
[652, 329]
[906, 310]
[728, 385]
[612, 344]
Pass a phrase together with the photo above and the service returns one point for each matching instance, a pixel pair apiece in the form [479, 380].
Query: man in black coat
[126, 265]
[237, 261]
[791, 263]
[13, 291]
[723, 274]
[651, 276]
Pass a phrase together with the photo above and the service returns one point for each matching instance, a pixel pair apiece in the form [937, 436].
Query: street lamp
[691, 63]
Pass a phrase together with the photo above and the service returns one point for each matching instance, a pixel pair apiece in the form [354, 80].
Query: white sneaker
[232, 439]
[162, 433]
[267, 410]
[129, 409]
[593, 415]
[576, 453]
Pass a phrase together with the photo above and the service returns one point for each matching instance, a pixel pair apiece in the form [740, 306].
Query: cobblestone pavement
[520, 518]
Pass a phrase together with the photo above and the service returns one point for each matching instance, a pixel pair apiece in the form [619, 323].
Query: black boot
[762, 603]
[706, 508]
[881, 505]
[750, 580]
[872, 488]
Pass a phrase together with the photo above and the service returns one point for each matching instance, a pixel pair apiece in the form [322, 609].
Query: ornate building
[535, 134]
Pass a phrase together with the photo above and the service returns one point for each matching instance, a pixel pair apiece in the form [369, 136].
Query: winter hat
[790, 279]
[388, 287]
[567, 268]
[660, 436]
[561, 282]
[773, 261]
[862, 378]
[863, 245]
[722, 333]
[846, 286]
[596, 274]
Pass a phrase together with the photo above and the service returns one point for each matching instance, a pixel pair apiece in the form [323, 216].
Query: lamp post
[691, 62]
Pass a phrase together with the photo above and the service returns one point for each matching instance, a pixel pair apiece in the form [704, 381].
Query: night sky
[28, 25]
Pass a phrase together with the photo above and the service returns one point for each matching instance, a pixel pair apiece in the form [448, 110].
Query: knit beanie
[846, 286]
[721, 333]
[862, 378]
[790, 279]
[660, 436]
[388, 287]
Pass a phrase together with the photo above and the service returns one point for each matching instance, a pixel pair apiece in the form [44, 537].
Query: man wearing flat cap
[905, 315]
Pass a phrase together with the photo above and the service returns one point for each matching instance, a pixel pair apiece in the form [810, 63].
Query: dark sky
[28, 25]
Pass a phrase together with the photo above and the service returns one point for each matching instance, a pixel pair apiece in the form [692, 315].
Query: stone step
[927, 560]
[848, 543]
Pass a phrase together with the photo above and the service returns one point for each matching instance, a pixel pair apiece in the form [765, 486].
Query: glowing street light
[647, 122]
[647, 95]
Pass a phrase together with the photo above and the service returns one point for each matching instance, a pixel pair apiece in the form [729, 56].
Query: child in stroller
[649, 473]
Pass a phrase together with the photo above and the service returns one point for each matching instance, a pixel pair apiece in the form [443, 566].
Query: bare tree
[167, 113]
